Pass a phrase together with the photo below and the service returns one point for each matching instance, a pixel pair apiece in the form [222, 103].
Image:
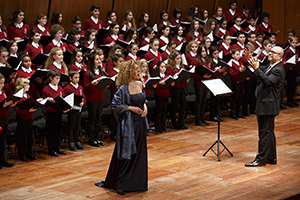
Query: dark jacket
[268, 90]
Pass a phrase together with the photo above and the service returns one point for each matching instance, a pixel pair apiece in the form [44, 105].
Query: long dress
[131, 174]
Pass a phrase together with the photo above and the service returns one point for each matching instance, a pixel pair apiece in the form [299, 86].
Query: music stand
[218, 88]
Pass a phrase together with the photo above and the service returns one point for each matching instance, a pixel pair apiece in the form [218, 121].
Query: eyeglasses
[274, 52]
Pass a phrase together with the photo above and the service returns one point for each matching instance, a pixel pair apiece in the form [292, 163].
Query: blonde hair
[50, 59]
[294, 39]
[126, 71]
[140, 64]
[21, 82]
[188, 47]
[171, 60]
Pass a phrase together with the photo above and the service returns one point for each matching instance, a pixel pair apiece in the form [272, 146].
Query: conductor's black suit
[267, 107]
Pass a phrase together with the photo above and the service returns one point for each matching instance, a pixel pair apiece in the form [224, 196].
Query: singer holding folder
[128, 169]
[267, 105]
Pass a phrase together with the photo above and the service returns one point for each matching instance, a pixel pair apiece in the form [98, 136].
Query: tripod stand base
[218, 142]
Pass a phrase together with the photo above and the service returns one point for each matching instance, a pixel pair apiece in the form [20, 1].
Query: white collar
[264, 24]
[41, 28]
[115, 37]
[75, 86]
[177, 21]
[252, 28]
[57, 43]
[14, 55]
[57, 65]
[162, 75]
[78, 64]
[116, 69]
[94, 19]
[273, 45]
[293, 50]
[245, 14]
[54, 87]
[26, 70]
[91, 44]
[76, 43]
[25, 95]
[193, 54]
[168, 52]
[19, 25]
[36, 45]
[232, 12]
[130, 24]
[165, 23]
[97, 71]
[2, 65]
[222, 30]
[243, 46]
[155, 53]
[196, 33]
[225, 45]
[264, 52]
[0, 32]
[238, 28]
[236, 62]
[215, 60]
[165, 39]
[258, 43]
[203, 60]
[144, 74]
[132, 56]
[178, 66]
[109, 21]
[0, 92]
[180, 38]
[147, 40]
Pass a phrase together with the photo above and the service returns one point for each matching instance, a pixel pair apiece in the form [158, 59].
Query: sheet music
[217, 86]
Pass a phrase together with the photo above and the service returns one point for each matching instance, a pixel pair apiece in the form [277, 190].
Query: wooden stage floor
[177, 169]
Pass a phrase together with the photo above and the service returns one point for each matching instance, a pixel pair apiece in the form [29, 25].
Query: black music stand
[218, 88]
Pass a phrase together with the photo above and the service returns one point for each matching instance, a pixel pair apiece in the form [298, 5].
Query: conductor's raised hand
[247, 53]
[253, 62]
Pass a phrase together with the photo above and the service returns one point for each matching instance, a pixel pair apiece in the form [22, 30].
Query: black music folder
[32, 103]
[104, 81]
[151, 81]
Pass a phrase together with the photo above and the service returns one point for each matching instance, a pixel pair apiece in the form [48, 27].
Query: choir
[50, 65]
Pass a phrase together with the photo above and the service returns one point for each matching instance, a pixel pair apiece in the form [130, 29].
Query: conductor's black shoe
[94, 144]
[272, 162]
[296, 104]
[79, 146]
[241, 116]
[61, 152]
[100, 143]
[199, 123]
[290, 104]
[120, 192]
[254, 164]
[206, 123]
[6, 164]
[53, 153]
[234, 117]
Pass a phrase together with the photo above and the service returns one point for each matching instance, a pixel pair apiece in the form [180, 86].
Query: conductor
[267, 105]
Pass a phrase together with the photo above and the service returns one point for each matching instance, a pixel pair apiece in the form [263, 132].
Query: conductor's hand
[32, 109]
[247, 53]
[253, 62]
[145, 111]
